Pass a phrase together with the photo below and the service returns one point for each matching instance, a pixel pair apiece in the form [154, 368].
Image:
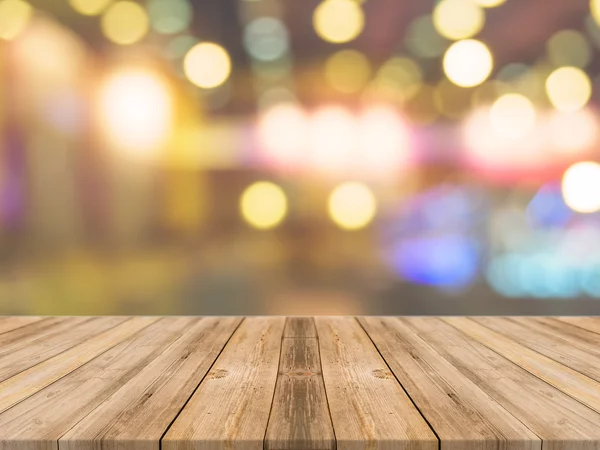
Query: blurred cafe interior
[299, 157]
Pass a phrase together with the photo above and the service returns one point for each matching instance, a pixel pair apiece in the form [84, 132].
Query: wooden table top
[179, 383]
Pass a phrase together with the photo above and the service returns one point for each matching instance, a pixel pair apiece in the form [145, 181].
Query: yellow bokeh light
[207, 65]
[468, 63]
[569, 48]
[512, 116]
[581, 187]
[489, 3]
[14, 17]
[458, 19]
[125, 23]
[135, 111]
[568, 88]
[347, 71]
[89, 7]
[263, 205]
[338, 21]
[595, 10]
[352, 206]
[403, 72]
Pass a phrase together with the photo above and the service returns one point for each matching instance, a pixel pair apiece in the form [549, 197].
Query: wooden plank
[587, 323]
[300, 327]
[22, 336]
[136, 416]
[463, 416]
[16, 358]
[30, 381]
[300, 415]
[39, 421]
[559, 420]
[230, 409]
[369, 409]
[569, 381]
[554, 342]
[12, 323]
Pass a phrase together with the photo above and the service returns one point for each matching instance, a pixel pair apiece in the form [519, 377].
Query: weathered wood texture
[299, 383]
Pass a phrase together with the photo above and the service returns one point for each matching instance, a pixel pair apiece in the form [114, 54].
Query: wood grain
[30, 381]
[12, 323]
[569, 381]
[551, 339]
[463, 416]
[369, 409]
[38, 422]
[16, 358]
[141, 410]
[300, 414]
[230, 410]
[561, 421]
[587, 323]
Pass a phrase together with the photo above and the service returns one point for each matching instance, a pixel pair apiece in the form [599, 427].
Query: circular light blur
[89, 7]
[581, 187]
[14, 17]
[384, 140]
[347, 71]
[458, 19]
[333, 137]
[423, 40]
[572, 132]
[124, 23]
[207, 65]
[170, 16]
[568, 88]
[352, 206]
[282, 131]
[263, 205]
[489, 3]
[135, 112]
[338, 21]
[569, 48]
[512, 116]
[468, 63]
[266, 38]
[179, 46]
[595, 10]
[403, 73]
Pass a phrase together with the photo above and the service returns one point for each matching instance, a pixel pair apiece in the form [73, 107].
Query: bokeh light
[423, 40]
[333, 138]
[207, 65]
[125, 22]
[489, 3]
[385, 143]
[266, 38]
[14, 17]
[347, 71]
[403, 73]
[170, 16]
[352, 206]
[512, 116]
[568, 88]
[569, 48]
[263, 205]
[135, 110]
[572, 132]
[581, 187]
[89, 7]
[458, 19]
[468, 63]
[282, 131]
[595, 10]
[338, 21]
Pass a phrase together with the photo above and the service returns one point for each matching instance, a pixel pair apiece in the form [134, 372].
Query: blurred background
[299, 157]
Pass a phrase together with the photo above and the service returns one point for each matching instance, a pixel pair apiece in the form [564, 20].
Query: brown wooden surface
[323, 383]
